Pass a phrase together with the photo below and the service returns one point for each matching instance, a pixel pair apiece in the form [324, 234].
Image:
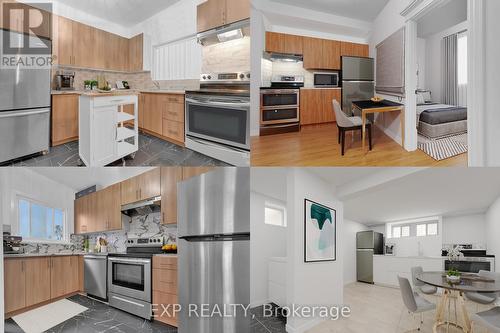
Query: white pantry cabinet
[107, 131]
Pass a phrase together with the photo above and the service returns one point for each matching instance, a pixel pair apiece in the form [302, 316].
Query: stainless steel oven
[471, 265]
[279, 106]
[130, 277]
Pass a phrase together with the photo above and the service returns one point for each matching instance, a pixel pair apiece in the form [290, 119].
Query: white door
[104, 136]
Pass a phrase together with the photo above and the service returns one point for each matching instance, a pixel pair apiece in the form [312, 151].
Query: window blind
[179, 60]
[391, 65]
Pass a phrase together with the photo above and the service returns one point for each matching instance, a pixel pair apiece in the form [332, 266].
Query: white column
[411, 86]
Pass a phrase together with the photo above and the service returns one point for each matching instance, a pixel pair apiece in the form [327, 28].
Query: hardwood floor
[381, 310]
[318, 146]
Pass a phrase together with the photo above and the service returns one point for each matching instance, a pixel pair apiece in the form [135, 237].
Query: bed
[439, 120]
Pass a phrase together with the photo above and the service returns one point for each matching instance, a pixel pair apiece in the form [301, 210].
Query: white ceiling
[430, 192]
[365, 10]
[123, 12]
[442, 18]
[82, 178]
[341, 176]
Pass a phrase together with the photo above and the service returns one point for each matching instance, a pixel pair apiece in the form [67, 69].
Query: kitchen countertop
[408, 257]
[66, 92]
[163, 91]
[118, 92]
[93, 93]
[173, 255]
[325, 88]
[28, 255]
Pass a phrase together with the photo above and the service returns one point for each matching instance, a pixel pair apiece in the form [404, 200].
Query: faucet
[157, 84]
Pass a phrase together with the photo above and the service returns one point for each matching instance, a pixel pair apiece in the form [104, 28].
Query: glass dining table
[454, 293]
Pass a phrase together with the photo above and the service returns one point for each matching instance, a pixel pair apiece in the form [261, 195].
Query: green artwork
[320, 239]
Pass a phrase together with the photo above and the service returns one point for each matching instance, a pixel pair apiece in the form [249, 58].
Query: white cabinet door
[104, 135]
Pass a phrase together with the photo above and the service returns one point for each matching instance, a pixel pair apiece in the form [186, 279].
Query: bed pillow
[420, 99]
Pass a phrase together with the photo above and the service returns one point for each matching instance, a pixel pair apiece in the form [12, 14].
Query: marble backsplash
[140, 226]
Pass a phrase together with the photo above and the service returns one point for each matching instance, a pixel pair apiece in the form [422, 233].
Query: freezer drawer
[214, 273]
[364, 265]
[215, 203]
[23, 133]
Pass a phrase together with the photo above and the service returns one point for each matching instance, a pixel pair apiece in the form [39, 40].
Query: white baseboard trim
[307, 326]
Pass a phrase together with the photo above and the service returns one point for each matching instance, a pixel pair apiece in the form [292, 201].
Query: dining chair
[423, 287]
[413, 301]
[489, 319]
[346, 124]
[484, 298]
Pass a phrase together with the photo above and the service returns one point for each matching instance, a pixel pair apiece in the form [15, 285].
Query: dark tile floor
[152, 152]
[264, 324]
[100, 318]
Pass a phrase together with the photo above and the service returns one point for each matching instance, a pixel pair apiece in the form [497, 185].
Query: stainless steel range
[129, 276]
[280, 105]
[218, 117]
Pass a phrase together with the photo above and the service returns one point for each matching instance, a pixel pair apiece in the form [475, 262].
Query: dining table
[368, 106]
[453, 292]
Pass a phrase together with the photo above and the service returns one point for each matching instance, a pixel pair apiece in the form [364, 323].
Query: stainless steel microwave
[326, 79]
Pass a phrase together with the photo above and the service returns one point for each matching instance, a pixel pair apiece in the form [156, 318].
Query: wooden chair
[346, 124]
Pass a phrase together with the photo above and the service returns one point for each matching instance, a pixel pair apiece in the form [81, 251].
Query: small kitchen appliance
[65, 80]
[11, 244]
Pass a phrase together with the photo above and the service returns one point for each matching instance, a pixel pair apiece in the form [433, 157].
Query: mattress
[436, 114]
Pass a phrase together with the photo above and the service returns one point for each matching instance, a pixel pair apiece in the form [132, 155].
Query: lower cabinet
[36, 280]
[316, 105]
[165, 288]
[64, 118]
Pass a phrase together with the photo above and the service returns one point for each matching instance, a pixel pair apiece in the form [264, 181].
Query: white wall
[388, 22]
[25, 182]
[258, 32]
[422, 62]
[493, 230]
[349, 257]
[311, 283]
[466, 229]
[492, 69]
[433, 55]
[267, 241]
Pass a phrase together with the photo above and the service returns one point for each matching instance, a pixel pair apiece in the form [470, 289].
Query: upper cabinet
[216, 13]
[80, 45]
[284, 43]
[144, 186]
[170, 176]
[321, 53]
[354, 50]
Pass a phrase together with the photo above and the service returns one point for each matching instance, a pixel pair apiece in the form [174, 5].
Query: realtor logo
[26, 35]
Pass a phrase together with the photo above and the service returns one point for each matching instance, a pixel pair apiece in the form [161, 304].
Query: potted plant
[88, 84]
[453, 276]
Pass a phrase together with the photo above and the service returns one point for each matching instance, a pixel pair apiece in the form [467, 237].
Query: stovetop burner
[224, 84]
[141, 248]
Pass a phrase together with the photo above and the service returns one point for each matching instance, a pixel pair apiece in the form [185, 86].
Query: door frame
[476, 75]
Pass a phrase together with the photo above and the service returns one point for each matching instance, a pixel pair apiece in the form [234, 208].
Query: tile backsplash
[140, 226]
[232, 56]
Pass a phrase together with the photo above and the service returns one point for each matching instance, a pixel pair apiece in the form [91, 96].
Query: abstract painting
[319, 232]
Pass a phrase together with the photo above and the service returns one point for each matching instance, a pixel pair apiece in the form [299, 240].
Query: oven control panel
[241, 77]
[149, 242]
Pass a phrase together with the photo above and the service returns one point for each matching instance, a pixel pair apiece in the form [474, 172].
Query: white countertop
[407, 257]
[173, 255]
[28, 255]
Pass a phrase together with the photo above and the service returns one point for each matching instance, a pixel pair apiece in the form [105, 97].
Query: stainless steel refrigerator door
[356, 91]
[95, 276]
[24, 88]
[364, 240]
[358, 69]
[217, 274]
[23, 132]
[364, 265]
[217, 202]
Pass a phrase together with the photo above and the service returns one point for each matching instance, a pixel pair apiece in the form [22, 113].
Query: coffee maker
[65, 80]
[11, 244]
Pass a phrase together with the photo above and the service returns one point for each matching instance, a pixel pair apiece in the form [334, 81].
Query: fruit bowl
[377, 99]
[169, 248]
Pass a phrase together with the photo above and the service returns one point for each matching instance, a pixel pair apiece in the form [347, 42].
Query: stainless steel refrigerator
[24, 107]
[358, 81]
[214, 250]
[368, 243]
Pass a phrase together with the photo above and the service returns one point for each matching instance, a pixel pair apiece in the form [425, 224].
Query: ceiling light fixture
[230, 35]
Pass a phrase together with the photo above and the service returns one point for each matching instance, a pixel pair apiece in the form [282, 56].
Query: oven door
[279, 98]
[220, 119]
[282, 115]
[130, 277]
[468, 266]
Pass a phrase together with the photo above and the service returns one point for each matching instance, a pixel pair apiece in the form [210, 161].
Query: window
[405, 231]
[462, 58]
[179, 60]
[40, 222]
[432, 229]
[274, 214]
[396, 232]
[414, 228]
[421, 230]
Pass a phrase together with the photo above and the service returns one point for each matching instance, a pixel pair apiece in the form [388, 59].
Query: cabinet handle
[140, 193]
[48, 263]
[163, 217]
[22, 266]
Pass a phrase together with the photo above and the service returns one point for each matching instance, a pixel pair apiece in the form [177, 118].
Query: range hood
[283, 57]
[225, 33]
[145, 207]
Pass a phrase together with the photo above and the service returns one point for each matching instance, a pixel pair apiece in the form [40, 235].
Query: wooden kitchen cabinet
[165, 286]
[39, 20]
[14, 284]
[144, 186]
[216, 13]
[189, 172]
[170, 176]
[85, 214]
[37, 272]
[108, 209]
[83, 53]
[136, 49]
[354, 50]
[64, 275]
[316, 105]
[64, 118]
[284, 43]
[64, 41]
[313, 53]
[152, 115]
[331, 54]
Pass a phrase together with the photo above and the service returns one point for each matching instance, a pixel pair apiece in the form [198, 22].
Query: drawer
[173, 130]
[174, 112]
[114, 100]
[165, 280]
[165, 262]
[164, 299]
[179, 99]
